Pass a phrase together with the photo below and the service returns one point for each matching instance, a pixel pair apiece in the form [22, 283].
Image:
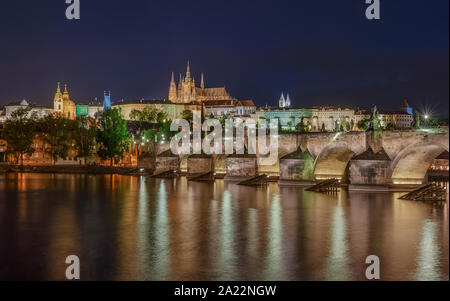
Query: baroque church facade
[62, 105]
[186, 90]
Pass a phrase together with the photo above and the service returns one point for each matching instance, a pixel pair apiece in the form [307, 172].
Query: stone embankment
[75, 169]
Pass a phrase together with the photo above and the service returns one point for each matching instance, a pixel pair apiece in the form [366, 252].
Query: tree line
[107, 137]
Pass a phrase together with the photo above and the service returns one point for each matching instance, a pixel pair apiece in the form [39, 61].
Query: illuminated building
[314, 118]
[107, 101]
[92, 109]
[244, 108]
[330, 117]
[440, 163]
[400, 119]
[63, 105]
[173, 110]
[82, 110]
[187, 92]
[36, 110]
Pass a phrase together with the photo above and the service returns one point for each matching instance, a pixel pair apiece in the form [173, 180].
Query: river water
[136, 228]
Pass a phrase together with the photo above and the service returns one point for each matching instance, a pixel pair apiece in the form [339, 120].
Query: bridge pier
[240, 167]
[297, 168]
[199, 164]
[167, 161]
[370, 171]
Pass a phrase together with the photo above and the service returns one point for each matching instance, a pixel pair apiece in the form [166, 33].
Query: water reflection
[161, 228]
[227, 257]
[137, 228]
[274, 258]
[143, 227]
[337, 267]
[429, 253]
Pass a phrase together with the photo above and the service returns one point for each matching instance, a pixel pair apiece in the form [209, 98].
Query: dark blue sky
[323, 52]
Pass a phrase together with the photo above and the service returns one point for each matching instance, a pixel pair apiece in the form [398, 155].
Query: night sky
[322, 52]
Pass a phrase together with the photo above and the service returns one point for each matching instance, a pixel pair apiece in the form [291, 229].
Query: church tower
[288, 101]
[173, 90]
[188, 71]
[66, 93]
[107, 101]
[58, 101]
[202, 83]
[179, 88]
[282, 101]
[193, 93]
[68, 106]
[188, 87]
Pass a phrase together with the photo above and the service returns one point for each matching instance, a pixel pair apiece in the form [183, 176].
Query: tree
[57, 132]
[147, 115]
[301, 125]
[223, 120]
[84, 134]
[290, 125]
[364, 124]
[188, 115]
[161, 117]
[19, 133]
[344, 126]
[113, 137]
[323, 128]
[164, 133]
[416, 122]
[389, 126]
[308, 127]
[149, 138]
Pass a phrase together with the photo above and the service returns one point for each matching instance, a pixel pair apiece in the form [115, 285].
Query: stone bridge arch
[332, 161]
[411, 164]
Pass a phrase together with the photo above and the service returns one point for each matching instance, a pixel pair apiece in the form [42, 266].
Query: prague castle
[186, 91]
[215, 103]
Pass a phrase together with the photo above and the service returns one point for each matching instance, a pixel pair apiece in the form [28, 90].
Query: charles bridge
[361, 159]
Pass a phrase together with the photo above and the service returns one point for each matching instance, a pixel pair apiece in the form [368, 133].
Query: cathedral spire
[173, 89]
[66, 93]
[282, 101]
[188, 70]
[58, 94]
[180, 82]
[288, 101]
[202, 83]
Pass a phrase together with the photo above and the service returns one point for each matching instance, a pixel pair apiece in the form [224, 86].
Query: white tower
[282, 101]
[288, 101]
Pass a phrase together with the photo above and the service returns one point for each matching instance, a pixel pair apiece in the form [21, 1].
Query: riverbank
[75, 169]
